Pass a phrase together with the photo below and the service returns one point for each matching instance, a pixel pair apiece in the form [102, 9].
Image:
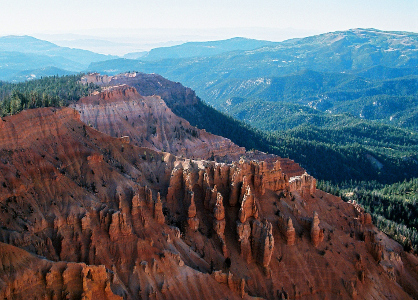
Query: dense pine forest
[393, 207]
[48, 91]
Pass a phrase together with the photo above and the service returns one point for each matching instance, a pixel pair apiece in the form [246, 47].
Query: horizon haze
[112, 28]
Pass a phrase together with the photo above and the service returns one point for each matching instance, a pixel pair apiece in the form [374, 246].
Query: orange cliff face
[87, 215]
[173, 93]
[148, 122]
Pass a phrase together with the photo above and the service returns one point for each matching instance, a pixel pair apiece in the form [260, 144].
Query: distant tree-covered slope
[314, 97]
[38, 74]
[359, 151]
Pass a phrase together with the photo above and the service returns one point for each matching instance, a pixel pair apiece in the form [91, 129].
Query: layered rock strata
[122, 112]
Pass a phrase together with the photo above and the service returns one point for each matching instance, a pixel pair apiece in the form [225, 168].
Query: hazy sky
[193, 17]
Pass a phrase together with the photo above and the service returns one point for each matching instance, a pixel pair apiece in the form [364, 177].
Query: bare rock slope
[147, 121]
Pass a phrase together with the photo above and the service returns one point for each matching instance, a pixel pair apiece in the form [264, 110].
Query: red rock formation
[96, 78]
[374, 246]
[192, 221]
[367, 219]
[84, 201]
[262, 242]
[237, 285]
[148, 85]
[316, 233]
[25, 276]
[290, 233]
[219, 211]
[286, 228]
[119, 226]
[244, 235]
[158, 211]
[219, 222]
[248, 206]
[305, 184]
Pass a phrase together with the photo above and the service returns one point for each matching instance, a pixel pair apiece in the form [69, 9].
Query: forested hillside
[48, 91]
[393, 207]
[321, 99]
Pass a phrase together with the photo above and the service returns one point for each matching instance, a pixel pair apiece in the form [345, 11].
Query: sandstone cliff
[173, 93]
[148, 122]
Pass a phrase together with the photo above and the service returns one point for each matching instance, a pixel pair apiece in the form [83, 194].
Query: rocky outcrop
[119, 226]
[173, 93]
[305, 184]
[244, 239]
[248, 207]
[363, 217]
[219, 214]
[219, 222]
[96, 78]
[262, 242]
[374, 245]
[192, 220]
[290, 233]
[158, 211]
[37, 278]
[235, 284]
[287, 230]
[317, 235]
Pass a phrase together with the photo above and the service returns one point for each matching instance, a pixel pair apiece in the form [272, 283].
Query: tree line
[48, 91]
[393, 206]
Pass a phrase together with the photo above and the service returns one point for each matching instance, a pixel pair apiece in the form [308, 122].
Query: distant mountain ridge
[337, 72]
[26, 57]
[38, 73]
[23, 53]
[201, 49]
[343, 51]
